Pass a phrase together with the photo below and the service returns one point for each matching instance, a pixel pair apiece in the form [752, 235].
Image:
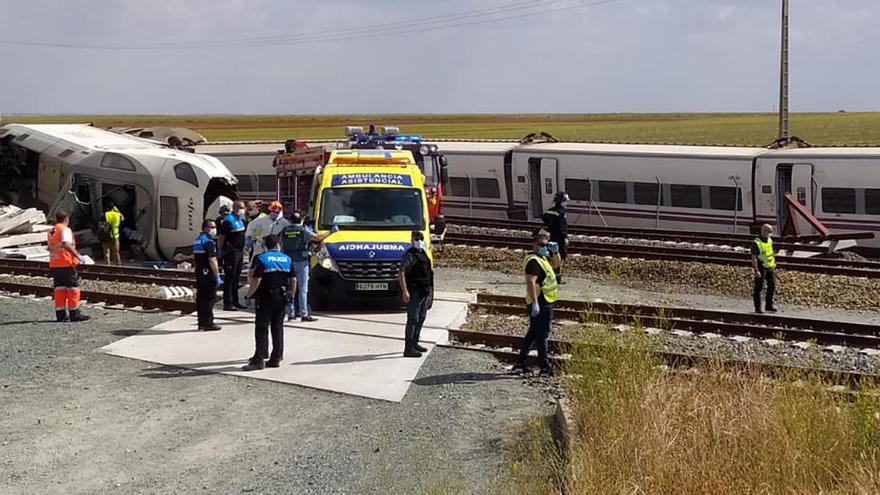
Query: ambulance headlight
[324, 259]
[423, 150]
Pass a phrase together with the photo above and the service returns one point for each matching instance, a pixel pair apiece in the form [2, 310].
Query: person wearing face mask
[264, 226]
[207, 275]
[764, 268]
[232, 241]
[541, 293]
[296, 238]
[416, 279]
[557, 225]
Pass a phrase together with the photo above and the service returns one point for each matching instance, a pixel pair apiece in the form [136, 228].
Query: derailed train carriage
[163, 193]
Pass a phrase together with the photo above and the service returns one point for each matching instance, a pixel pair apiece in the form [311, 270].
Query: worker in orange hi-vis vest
[63, 260]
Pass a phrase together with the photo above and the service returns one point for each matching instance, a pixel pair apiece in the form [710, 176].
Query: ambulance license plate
[371, 286]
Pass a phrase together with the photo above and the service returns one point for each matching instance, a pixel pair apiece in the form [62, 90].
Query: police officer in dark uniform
[207, 275]
[557, 225]
[232, 248]
[271, 280]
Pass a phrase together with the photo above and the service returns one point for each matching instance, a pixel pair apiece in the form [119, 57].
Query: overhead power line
[516, 10]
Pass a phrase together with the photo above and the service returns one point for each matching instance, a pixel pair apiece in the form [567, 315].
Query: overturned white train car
[164, 194]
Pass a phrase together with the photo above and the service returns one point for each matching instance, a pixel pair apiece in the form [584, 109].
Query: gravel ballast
[804, 289]
[78, 421]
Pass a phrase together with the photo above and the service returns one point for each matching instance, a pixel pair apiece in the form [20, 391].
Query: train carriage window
[266, 183]
[724, 198]
[686, 196]
[460, 186]
[578, 189]
[612, 191]
[185, 172]
[872, 201]
[838, 200]
[245, 182]
[117, 162]
[646, 193]
[168, 212]
[487, 188]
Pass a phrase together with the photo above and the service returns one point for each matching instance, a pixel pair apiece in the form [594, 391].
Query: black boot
[75, 315]
[254, 365]
[61, 315]
[415, 342]
[409, 349]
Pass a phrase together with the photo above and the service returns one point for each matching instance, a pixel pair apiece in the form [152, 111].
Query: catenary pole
[783, 79]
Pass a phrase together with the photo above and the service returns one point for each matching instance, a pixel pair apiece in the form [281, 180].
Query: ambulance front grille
[368, 269]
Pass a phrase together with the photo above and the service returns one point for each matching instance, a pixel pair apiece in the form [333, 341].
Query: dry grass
[712, 431]
[755, 129]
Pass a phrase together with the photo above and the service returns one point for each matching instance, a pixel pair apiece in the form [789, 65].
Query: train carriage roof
[83, 136]
[830, 152]
[488, 147]
[643, 149]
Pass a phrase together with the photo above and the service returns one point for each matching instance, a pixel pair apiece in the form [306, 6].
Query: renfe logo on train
[371, 178]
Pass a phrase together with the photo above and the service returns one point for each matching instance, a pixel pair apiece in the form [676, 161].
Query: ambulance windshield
[371, 208]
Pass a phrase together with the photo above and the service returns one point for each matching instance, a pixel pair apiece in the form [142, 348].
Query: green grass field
[706, 128]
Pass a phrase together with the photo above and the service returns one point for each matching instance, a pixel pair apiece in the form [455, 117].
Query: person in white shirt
[261, 227]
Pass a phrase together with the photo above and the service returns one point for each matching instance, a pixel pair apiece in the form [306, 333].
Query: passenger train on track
[163, 193]
[693, 188]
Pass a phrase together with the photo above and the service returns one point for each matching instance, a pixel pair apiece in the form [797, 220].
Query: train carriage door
[542, 183]
[797, 180]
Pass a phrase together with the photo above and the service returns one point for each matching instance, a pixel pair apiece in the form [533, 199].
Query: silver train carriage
[163, 193]
[693, 188]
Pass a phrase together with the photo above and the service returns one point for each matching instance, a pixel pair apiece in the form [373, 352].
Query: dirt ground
[76, 420]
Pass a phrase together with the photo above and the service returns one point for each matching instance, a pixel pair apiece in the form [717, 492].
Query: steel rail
[662, 253]
[127, 300]
[85, 272]
[823, 332]
[173, 278]
[496, 344]
[703, 237]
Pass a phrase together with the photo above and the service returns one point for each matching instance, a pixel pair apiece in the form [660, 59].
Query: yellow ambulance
[376, 198]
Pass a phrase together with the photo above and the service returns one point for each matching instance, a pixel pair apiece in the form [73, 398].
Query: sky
[429, 56]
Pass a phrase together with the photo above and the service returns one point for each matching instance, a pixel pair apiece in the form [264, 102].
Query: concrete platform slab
[352, 353]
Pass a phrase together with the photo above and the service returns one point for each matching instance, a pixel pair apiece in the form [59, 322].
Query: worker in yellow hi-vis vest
[110, 241]
[541, 293]
[764, 268]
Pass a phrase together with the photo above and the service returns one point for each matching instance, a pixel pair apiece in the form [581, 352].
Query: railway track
[784, 244]
[867, 269]
[695, 320]
[762, 326]
[127, 300]
[104, 272]
[130, 274]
